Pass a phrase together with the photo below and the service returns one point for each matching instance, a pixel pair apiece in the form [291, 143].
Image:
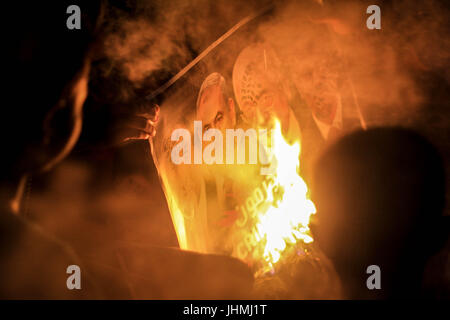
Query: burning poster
[167, 149]
[239, 193]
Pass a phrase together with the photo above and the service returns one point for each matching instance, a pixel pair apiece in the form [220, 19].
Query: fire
[285, 222]
[262, 230]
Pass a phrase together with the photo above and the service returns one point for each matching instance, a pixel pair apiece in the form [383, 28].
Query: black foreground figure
[380, 196]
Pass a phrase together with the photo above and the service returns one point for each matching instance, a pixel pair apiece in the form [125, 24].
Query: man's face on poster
[319, 88]
[215, 110]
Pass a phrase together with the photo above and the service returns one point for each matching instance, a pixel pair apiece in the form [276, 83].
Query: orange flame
[285, 222]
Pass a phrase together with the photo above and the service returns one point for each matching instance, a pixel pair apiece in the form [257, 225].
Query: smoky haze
[397, 75]
[147, 42]
[157, 39]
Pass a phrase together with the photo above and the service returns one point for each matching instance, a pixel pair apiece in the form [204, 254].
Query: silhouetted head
[46, 77]
[380, 195]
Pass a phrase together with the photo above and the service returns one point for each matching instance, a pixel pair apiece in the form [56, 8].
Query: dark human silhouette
[380, 195]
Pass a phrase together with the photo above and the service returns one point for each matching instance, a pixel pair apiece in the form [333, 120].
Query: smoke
[117, 227]
[388, 76]
[157, 39]
[107, 210]
[142, 47]
[383, 66]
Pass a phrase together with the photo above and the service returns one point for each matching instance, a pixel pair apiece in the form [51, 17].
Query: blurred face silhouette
[49, 119]
[48, 86]
[64, 122]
